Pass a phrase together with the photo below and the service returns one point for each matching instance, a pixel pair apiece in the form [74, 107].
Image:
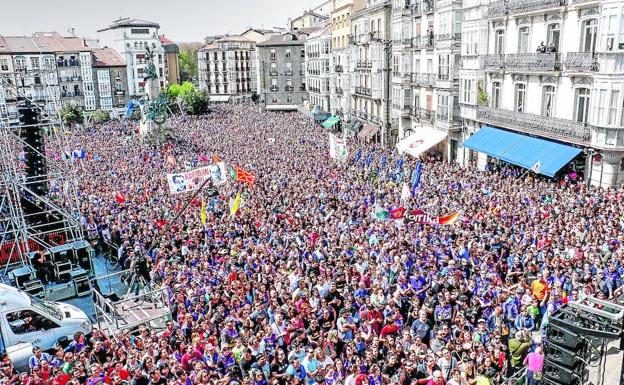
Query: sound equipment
[80, 278]
[21, 275]
[62, 253]
[35, 288]
[34, 147]
[63, 271]
[561, 355]
[83, 254]
[60, 291]
[564, 337]
[562, 375]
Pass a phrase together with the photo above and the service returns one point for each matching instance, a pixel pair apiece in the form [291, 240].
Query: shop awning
[281, 107]
[368, 131]
[421, 141]
[220, 98]
[331, 121]
[522, 150]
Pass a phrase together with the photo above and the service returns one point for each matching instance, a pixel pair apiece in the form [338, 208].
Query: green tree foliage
[188, 60]
[192, 100]
[482, 95]
[71, 114]
[101, 116]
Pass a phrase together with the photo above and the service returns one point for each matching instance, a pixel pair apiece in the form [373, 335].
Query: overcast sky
[180, 20]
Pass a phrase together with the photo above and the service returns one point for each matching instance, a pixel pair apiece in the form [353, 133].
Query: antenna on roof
[71, 31]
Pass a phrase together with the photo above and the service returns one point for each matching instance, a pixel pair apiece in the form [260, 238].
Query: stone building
[317, 63]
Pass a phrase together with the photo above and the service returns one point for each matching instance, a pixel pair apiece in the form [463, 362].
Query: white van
[27, 321]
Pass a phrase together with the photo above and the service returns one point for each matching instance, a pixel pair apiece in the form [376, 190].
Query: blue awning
[522, 150]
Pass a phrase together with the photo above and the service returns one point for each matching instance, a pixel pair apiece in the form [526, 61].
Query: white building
[340, 86]
[131, 37]
[227, 69]
[317, 64]
[569, 97]
[370, 70]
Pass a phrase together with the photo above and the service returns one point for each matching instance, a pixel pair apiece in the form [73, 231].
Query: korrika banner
[191, 180]
[420, 217]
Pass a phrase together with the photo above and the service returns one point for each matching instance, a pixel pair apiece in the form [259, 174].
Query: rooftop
[26, 44]
[107, 57]
[59, 43]
[288, 38]
[234, 38]
[129, 22]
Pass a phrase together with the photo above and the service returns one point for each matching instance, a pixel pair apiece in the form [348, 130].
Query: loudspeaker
[564, 337]
[561, 355]
[562, 375]
[83, 254]
[34, 148]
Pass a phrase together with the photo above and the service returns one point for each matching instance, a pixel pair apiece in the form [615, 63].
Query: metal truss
[22, 233]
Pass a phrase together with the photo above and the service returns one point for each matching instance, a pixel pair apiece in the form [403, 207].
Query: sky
[180, 20]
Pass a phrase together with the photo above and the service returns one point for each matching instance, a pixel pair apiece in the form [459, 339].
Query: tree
[195, 102]
[101, 116]
[482, 95]
[188, 60]
[71, 114]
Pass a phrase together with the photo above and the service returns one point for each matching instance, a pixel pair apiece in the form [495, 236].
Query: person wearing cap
[518, 346]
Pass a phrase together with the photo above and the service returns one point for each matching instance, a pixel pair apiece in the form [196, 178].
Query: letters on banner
[337, 148]
[191, 180]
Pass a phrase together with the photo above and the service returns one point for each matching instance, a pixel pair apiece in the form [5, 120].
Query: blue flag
[358, 155]
[400, 164]
[369, 159]
[384, 161]
[416, 177]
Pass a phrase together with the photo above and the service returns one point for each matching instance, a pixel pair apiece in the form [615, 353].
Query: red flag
[119, 197]
[161, 223]
[448, 219]
[244, 176]
[397, 213]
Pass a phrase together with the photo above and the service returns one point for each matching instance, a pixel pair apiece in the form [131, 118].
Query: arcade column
[606, 169]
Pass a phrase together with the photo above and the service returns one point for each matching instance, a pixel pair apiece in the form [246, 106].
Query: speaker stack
[570, 333]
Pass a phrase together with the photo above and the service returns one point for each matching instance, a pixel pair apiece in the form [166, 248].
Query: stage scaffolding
[33, 220]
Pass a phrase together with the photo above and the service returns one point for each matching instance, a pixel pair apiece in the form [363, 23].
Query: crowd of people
[304, 285]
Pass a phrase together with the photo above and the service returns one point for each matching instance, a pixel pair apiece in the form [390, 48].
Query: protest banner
[191, 180]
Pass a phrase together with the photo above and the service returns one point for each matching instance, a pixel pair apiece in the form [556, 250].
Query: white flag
[405, 193]
[536, 167]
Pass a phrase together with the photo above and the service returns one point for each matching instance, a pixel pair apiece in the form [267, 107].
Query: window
[443, 108]
[602, 96]
[273, 54]
[288, 53]
[548, 100]
[302, 52]
[395, 65]
[499, 41]
[613, 108]
[139, 31]
[554, 33]
[523, 40]
[582, 105]
[4, 65]
[590, 32]
[27, 321]
[443, 67]
[520, 97]
[467, 94]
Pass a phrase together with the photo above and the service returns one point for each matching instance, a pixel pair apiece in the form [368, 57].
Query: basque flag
[416, 177]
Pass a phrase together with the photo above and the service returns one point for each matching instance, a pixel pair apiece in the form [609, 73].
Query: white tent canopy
[421, 141]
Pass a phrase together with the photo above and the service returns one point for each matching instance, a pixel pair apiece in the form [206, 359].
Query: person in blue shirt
[297, 371]
[524, 321]
[37, 357]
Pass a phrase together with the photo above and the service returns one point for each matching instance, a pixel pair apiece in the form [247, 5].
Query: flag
[416, 177]
[232, 173]
[216, 159]
[202, 213]
[397, 213]
[381, 213]
[448, 219]
[384, 161]
[244, 176]
[369, 159]
[203, 158]
[405, 193]
[119, 197]
[358, 155]
[235, 205]
[536, 167]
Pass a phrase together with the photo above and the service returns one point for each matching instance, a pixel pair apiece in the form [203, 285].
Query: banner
[191, 180]
[337, 148]
[420, 217]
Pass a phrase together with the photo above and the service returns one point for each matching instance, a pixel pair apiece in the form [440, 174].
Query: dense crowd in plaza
[306, 286]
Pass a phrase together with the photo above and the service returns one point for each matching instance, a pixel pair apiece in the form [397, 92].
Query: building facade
[110, 80]
[281, 68]
[172, 63]
[340, 87]
[554, 71]
[317, 64]
[370, 70]
[131, 38]
[227, 69]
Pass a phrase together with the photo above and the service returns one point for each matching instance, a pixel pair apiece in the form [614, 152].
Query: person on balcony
[541, 48]
[551, 48]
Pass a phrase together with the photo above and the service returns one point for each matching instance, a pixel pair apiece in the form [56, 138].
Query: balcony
[315, 90]
[453, 38]
[428, 6]
[512, 7]
[423, 114]
[533, 62]
[338, 69]
[494, 62]
[288, 73]
[554, 128]
[407, 42]
[364, 64]
[581, 62]
[289, 88]
[403, 109]
[272, 73]
[363, 91]
[122, 93]
[302, 87]
[274, 88]
[417, 9]
[424, 79]
[427, 41]
[339, 92]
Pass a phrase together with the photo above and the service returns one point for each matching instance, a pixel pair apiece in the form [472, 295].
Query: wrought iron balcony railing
[529, 62]
[417, 9]
[423, 114]
[555, 128]
[581, 61]
[511, 7]
[274, 88]
[338, 68]
[449, 36]
[363, 91]
[494, 61]
[407, 42]
[428, 6]
[427, 42]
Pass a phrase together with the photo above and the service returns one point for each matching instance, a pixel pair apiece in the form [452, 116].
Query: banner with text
[337, 148]
[191, 180]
